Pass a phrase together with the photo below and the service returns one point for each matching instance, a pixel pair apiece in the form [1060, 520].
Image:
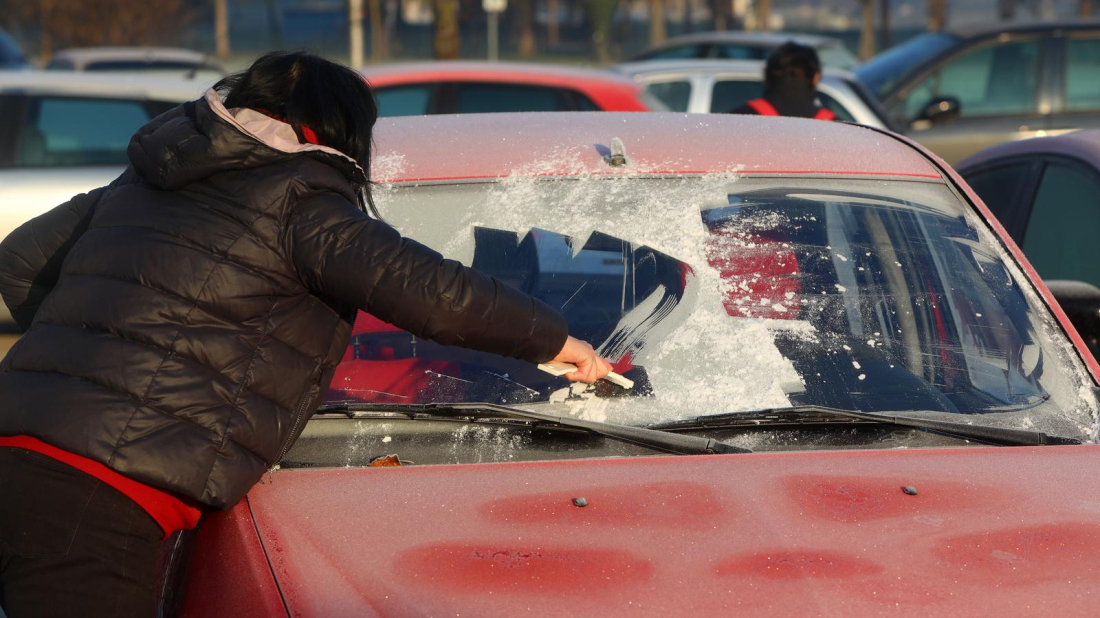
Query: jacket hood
[202, 138]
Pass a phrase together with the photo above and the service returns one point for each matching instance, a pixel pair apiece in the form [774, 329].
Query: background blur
[571, 31]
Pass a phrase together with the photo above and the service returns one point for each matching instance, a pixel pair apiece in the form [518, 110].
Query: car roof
[983, 30]
[91, 54]
[712, 67]
[410, 72]
[763, 39]
[575, 143]
[1084, 145]
[101, 85]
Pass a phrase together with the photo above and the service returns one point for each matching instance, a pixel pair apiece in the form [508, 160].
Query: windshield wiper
[650, 438]
[981, 433]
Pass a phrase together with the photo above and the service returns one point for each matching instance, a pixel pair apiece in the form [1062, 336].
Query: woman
[184, 322]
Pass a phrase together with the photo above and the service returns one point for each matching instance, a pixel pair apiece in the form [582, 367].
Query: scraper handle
[560, 369]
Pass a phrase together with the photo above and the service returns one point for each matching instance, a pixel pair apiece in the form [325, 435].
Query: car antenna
[617, 158]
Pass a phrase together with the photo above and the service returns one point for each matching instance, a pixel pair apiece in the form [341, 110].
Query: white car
[715, 86]
[161, 61]
[62, 134]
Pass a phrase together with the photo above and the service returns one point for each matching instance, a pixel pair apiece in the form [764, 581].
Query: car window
[729, 94]
[413, 100]
[887, 69]
[675, 53]
[835, 107]
[999, 186]
[1060, 240]
[998, 79]
[837, 56]
[476, 98]
[62, 131]
[674, 94]
[1082, 74]
[737, 52]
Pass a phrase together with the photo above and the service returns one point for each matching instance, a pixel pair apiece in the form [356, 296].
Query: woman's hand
[590, 367]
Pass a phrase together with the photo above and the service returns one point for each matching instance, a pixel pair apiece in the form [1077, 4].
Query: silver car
[741, 45]
[66, 133]
[709, 86]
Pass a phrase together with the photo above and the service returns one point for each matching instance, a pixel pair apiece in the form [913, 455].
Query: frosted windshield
[718, 295]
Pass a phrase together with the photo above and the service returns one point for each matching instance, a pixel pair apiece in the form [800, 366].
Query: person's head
[306, 90]
[791, 62]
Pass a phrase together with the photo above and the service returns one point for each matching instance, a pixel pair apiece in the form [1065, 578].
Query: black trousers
[71, 545]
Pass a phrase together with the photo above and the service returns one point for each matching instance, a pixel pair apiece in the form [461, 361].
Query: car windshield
[885, 70]
[721, 294]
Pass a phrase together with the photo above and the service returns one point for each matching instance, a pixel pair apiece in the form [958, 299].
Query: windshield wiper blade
[642, 436]
[982, 433]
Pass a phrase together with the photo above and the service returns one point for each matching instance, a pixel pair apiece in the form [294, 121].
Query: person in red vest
[790, 85]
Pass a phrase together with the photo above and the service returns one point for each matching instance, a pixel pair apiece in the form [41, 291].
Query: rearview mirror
[1081, 302]
[938, 110]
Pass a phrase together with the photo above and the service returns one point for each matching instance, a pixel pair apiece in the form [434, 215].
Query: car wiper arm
[983, 433]
[651, 438]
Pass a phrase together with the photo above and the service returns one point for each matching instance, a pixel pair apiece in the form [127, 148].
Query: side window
[412, 100]
[998, 188]
[1060, 240]
[835, 107]
[476, 98]
[731, 94]
[998, 79]
[674, 94]
[62, 132]
[1082, 74]
[676, 53]
[737, 52]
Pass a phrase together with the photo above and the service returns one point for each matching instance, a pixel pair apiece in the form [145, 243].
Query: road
[6, 342]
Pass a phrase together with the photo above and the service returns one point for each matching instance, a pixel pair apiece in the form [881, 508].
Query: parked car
[1046, 193]
[718, 87]
[64, 134]
[741, 45]
[825, 295]
[960, 92]
[11, 56]
[165, 61]
[479, 87]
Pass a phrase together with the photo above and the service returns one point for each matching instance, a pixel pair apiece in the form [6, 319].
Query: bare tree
[601, 14]
[937, 15]
[1084, 8]
[553, 36]
[446, 40]
[221, 28]
[657, 31]
[77, 23]
[722, 14]
[763, 14]
[379, 41]
[526, 27]
[867, 34]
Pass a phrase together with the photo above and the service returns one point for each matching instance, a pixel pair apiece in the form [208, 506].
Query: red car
[479, 87]
[853, 396]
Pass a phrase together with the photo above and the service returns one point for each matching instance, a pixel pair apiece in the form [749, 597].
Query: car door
[1062, 219]
[1000, 88]
[1076, 93]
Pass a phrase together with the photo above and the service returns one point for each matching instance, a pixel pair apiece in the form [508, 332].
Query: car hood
[988, 530]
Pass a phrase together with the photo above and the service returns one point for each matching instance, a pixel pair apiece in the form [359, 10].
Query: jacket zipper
[293, 430]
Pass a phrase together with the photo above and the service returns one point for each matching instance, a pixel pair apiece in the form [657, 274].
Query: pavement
[6, 342]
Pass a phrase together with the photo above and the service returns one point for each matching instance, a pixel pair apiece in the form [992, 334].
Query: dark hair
[791, 61]
[306, 90]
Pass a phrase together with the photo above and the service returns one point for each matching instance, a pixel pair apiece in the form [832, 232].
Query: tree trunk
[379, 45]
[937, 15]
[355, 34]
[867, 34]
[1084, 8]
[553, 36]
[221, 28]
[527, 45]
[657, 31]
[446, 41]
[763, 15]
[885, 27]
[721, 15]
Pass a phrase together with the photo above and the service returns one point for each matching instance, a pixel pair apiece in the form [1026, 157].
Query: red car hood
[990, 531]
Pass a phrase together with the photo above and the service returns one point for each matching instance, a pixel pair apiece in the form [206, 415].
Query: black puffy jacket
[184, 322]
